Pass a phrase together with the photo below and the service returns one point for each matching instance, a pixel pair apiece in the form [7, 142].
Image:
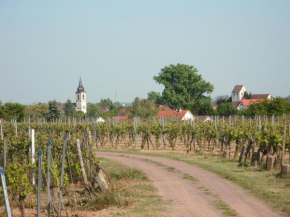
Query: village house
[240, 103]
[181, 114]
[245, 103]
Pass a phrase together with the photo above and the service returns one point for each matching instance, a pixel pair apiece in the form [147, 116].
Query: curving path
[188, 198]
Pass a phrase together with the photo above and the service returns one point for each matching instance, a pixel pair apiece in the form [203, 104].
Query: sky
[118, 46]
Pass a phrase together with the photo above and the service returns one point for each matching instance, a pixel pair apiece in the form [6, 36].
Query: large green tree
[183, 87]
[155, 97]
[14, 110]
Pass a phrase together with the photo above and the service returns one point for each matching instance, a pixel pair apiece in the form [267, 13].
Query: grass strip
[130, 191]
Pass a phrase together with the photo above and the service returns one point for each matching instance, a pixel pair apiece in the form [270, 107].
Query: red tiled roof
[214, 107]
[172, 113]
[237, 88]
[260, 96]
[248, 102]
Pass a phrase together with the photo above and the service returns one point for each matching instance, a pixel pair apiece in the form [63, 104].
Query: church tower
[81, 98]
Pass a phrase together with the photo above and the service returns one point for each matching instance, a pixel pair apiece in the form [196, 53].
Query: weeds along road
[192, 191]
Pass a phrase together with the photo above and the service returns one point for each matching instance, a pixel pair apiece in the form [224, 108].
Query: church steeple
[81, 98]
[80, 87]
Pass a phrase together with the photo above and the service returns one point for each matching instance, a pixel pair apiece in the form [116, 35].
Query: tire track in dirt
[184, 199]
[187, 198]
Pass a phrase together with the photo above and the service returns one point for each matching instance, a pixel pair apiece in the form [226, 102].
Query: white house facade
[81, 98]
[238, 93]
[188, 116]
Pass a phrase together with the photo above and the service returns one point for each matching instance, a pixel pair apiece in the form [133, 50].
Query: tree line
[184, 88]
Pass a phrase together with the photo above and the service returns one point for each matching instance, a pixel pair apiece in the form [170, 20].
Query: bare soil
[193, 198]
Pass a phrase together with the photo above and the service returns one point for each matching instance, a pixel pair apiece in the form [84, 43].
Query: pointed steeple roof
[80, 87]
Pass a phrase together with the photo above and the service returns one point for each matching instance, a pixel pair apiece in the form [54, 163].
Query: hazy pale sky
[119, 45]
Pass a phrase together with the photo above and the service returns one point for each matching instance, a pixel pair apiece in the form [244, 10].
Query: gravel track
[187, 198]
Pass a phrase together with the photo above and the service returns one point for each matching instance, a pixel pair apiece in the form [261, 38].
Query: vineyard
[47, 165]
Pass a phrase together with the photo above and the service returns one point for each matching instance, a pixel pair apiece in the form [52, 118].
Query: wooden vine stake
[4, 187]
[61, 176]
[285, 168]
[82, 162]
[48, 176]
[5, 155]
[33, 154]
[2, 132]
[39, 183]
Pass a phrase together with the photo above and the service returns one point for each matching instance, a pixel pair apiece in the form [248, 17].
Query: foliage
[2, 112]
[155, 97]
[69, 108]
[109, 113]
[222, 99]
[183, 87]
[105, 102]
[277, 106]
[247, 95]
[13, 110]
[38, 110]
[226, 109]
[143, 108]
[93, 110]
[204, 107]
[53, 110]
[79, 114]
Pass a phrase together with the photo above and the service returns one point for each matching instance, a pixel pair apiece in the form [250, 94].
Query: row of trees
[184, 88]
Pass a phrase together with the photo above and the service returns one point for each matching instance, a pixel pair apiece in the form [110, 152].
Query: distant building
[81, 98]
[240, 103]
[245, 103]
[238, 93]
[261, 96]
[181, 114]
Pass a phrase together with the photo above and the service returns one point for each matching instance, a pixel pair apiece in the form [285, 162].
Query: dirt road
[200, 196]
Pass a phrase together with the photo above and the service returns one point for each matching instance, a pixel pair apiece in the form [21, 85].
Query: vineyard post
[15, 124]
[243, 119]
[4, 187]
[29, 131]
[273, 121]
[39, 183]
[5, 154]
[29, 120]
[260, 124]
[283, 147]
[48, 177]
[82, 162]
[1, 131]
[33, 154]
[62, 175]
